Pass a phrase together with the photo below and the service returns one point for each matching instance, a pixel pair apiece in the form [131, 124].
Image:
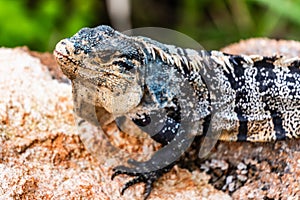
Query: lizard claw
[146, 177]
[148, 185]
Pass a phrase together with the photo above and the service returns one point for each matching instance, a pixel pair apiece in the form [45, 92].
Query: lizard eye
[77, 51]
[80, 48]
[127, 65]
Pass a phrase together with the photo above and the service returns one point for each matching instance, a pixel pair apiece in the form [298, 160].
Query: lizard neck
[173, 72]
[188, 62]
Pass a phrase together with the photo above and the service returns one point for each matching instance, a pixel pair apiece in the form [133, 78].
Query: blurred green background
[213, 23]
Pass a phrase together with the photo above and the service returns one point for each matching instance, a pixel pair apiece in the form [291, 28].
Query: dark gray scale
[162, 127]
[237, 80]
[274, 79]
[266, 77]
[270, 81]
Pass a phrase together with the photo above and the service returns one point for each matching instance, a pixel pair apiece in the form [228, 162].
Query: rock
[241, 166]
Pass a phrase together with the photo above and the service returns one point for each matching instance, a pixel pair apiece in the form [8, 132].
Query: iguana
[175, 94]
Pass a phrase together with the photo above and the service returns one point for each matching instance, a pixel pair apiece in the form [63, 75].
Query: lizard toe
[148, 178]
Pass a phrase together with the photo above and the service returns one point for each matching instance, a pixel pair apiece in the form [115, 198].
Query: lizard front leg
[175, 141]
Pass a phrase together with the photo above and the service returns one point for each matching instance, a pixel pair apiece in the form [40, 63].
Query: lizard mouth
[63, 55]
[102, 77]
[63, 58]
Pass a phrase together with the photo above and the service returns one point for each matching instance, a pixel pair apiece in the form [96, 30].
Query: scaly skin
[245, 98]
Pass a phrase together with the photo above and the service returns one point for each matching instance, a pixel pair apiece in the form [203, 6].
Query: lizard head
[109, 61]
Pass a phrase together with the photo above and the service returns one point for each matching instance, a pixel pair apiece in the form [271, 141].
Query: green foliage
[217, 23]
[40, 24]
[289, 9]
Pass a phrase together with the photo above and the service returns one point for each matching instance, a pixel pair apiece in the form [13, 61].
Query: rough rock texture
[42, 157]
[264, 46]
